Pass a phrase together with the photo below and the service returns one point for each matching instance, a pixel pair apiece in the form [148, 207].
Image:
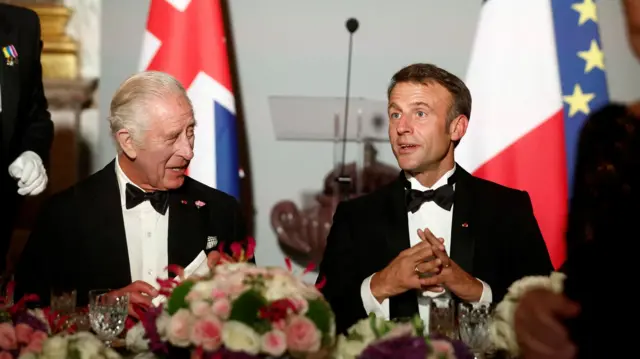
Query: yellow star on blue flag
[581, 66]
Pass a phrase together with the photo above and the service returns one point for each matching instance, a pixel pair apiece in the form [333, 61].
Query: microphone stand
[344, 180]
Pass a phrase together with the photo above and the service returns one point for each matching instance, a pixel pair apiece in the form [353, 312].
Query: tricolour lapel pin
[465, 225]
[212, 241]
[10, 54]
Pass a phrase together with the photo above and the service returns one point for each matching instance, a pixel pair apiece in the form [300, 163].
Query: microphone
[343, 179]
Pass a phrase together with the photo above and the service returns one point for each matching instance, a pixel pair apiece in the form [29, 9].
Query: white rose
[88, 349]
[349, 349]
[179, 330]
[162, 324]
[280, 286]
[223, 269]
[237, 336]
[363, 328]
[55, 348]
[201, 290]
[135, 340]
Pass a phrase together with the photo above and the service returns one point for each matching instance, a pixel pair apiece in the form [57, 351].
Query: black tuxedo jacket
[79, 241]
[494, 237]
[25, 123]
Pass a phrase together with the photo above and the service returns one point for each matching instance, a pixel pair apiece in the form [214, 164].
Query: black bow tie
[442, 196]
[158, 199]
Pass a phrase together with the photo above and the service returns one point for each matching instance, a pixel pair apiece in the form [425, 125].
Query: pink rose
[221, 308]
[207, 332]
[5, 355]
[443, 347]
[302, 335]
[8, 339]
[218, 294]
[301, 304]
[35, 345]
[279, 324]
[180, 328]
[23, 333]
[274, 343]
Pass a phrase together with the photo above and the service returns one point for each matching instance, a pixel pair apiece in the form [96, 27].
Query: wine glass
[107, 313]
[442, 316]
[473, 326]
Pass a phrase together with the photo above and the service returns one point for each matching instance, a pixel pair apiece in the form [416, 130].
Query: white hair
[130, 104]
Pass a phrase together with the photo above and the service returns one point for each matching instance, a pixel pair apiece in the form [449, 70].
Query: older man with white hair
[122, 226]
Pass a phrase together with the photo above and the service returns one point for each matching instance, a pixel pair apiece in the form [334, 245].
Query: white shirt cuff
[487, 294]
[370, 303]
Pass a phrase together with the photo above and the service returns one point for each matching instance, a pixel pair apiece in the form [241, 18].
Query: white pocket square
[212, 241]
[198, 266]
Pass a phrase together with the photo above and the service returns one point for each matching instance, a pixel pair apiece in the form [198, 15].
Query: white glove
[30, 173]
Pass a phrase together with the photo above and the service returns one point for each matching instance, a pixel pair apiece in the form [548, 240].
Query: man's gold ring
[416, 269]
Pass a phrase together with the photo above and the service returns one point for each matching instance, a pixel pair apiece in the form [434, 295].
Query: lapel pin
[199, 204]
[10, 54]
[465, 225]
[212, 241]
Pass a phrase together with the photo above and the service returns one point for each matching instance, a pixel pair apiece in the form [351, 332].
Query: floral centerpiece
[376, 338]
[239, 310]
[42, 333]
[501, 330]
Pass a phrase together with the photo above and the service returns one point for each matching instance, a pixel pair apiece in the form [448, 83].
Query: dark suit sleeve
[528, 251]
[240, 227]
[342, 282]
[38, 135]
[38, 266]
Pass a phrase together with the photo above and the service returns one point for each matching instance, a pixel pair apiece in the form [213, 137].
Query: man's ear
[458, 127]
[127, 143]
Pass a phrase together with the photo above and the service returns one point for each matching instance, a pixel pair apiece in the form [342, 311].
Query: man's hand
[212, 259]
[30, 173]
[539, 328]
[449, 274]
[401, 275]
[140, 295]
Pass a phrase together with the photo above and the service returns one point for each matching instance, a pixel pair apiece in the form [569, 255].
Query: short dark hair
[428, 74]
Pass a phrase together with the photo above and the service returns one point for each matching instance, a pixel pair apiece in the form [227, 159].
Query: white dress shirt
[147, 236]
[436, 219]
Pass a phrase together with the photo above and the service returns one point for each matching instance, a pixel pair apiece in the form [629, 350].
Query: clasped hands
[141, 293]
[30, 173]
[425, 266]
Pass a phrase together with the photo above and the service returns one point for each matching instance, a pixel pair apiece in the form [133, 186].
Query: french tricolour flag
[186, 39]
[536, 73]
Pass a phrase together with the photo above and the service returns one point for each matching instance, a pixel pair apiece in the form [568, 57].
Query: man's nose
[403, 126]
[186, 149]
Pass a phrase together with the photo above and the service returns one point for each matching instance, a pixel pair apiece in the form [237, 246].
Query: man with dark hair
[437, 230]
[26, 129]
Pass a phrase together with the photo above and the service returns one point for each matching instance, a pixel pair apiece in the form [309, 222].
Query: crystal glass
[442, 316]
[63, 301]
[107, 313]
[473, 325]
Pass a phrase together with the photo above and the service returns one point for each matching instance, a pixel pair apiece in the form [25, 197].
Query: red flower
[277, 310]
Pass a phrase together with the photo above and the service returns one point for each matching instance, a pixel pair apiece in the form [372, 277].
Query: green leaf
[246, 307]
[177, 300]
[74, 354]
[320, 314]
